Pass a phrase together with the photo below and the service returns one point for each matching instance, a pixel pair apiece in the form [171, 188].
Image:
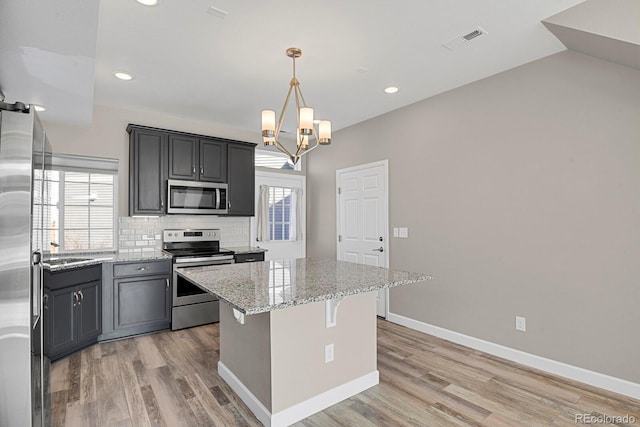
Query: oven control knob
[170, 234]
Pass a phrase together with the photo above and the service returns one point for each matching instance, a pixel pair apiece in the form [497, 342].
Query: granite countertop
[246, 249]
[258, 287]
[77, 260]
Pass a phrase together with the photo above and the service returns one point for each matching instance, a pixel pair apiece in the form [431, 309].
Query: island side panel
[245, 351]
[298, 340]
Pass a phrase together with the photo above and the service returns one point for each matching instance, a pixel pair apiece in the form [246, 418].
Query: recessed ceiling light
[391, 89]
[148, 2]
[39, 108]
[123, 76]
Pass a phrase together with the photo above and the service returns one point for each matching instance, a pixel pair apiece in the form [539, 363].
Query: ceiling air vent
[222, 14]
[461, 40]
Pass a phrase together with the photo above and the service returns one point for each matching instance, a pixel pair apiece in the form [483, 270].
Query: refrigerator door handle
[36, 259]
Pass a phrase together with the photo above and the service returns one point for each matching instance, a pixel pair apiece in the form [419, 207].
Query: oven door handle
[225, 259]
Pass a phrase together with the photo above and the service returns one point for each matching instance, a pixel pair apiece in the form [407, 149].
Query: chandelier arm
[304, 103]
[282, 148]
[312, 148]
[309, 150]
[283, 112]
[299, 138]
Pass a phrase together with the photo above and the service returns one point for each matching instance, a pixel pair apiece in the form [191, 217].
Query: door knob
[380, 249]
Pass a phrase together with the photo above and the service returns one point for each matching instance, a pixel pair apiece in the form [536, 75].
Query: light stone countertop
[258, 287]
[93, 258]
[246, 249]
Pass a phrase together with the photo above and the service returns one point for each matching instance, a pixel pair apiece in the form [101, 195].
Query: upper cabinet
[147, 171]
[242, 179]
[197, 159]
[158, 154]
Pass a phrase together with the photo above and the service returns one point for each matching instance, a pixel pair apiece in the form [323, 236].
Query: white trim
[303, 409]
[292, 180]
[385, 201]
[576, 373]
[258, 409]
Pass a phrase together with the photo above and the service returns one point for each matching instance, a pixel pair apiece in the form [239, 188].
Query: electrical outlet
[521, 324]
[328, 353]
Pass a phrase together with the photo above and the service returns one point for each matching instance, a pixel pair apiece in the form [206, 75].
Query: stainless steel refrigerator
[24, 369]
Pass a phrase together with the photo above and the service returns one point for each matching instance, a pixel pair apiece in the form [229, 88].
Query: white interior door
[362, 218]
[280, 182]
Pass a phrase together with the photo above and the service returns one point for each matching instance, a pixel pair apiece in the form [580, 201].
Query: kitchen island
[297, 335]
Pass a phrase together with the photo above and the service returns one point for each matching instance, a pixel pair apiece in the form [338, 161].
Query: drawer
[258, 256]
[141, 268]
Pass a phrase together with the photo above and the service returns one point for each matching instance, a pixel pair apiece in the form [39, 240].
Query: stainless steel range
[193, 306]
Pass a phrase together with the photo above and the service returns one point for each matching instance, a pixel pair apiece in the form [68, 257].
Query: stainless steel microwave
[194, 197]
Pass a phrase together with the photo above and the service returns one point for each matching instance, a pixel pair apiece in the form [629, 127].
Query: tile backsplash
[144, 234]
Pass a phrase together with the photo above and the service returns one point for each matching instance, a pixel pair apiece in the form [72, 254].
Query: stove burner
[193, 243]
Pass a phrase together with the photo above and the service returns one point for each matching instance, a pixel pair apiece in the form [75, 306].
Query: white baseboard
[595, 379]
[258, 409]
[303, 409]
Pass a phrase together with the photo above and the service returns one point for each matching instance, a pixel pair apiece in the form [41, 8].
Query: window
[275, 160]
[79, 204]
[280, 199]
[278, 214]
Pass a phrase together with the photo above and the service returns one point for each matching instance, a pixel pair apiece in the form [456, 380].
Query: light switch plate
[395, 231]
[403, 232]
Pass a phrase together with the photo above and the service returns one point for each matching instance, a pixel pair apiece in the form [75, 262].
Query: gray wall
[522, 197]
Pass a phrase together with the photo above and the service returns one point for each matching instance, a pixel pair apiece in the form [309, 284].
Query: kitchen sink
[65, 261]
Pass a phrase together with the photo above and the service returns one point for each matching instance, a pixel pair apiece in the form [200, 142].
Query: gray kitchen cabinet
[148, 170]
[241, 179]
[158, 154]
[137, 297]
[248, 257]
[183, 157]
[213, 160]
[73, 306]
[197, 159]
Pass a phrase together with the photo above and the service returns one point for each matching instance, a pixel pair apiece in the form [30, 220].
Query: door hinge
[339, 190]
[339, 238]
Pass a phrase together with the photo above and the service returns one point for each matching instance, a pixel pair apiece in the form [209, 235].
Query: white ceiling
[188, 63]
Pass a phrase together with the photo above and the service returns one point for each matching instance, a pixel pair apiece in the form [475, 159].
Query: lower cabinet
[137, 298]
[73, 307]
[248, 257]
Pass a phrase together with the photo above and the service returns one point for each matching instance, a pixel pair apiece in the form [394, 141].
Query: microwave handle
[218, 198]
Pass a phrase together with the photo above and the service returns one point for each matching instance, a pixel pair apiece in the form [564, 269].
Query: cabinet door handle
[249, 259]
[161, 203]
[201, 170]
[142, 268]
[75, 299]
[194, 169]
[228, 204]
[81, 297]
[45, 301]
[167, 283]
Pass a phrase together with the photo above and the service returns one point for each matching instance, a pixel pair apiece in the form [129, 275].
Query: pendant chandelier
[305, 123]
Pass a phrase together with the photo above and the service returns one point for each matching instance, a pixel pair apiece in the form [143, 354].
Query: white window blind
[275, 160]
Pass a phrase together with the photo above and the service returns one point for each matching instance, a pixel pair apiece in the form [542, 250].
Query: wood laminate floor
[170, 379]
